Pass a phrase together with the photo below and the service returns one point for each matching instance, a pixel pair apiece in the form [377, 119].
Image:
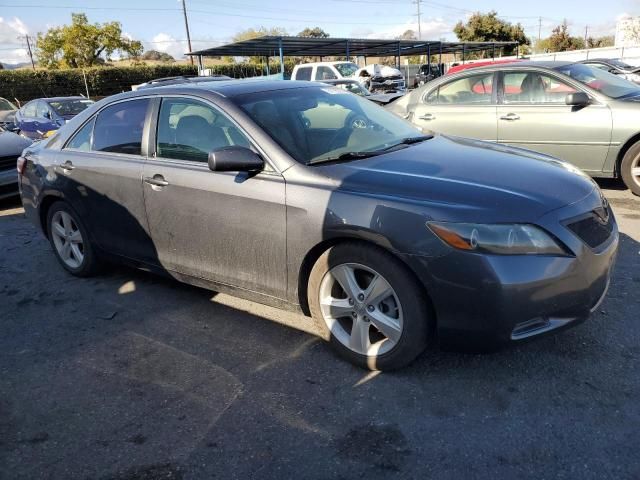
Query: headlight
[500, 239]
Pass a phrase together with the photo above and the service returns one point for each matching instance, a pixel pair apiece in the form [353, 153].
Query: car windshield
[346, 69]
[620, 64]
[606, 83]
[6, 105]
[69, 107]
[353, 87]
[324, 123]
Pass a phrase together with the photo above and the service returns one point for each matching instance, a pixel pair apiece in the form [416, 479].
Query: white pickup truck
[376, 78]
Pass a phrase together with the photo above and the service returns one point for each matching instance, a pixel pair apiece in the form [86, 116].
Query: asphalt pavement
[132, 376]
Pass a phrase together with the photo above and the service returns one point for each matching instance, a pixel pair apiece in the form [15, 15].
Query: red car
[464, 66]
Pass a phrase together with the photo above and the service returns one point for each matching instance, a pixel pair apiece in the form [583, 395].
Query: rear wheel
[630, 168]
[70, 241]
[369, 306]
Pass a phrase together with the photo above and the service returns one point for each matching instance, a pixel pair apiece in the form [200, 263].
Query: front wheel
[630, 168]
[369, 306]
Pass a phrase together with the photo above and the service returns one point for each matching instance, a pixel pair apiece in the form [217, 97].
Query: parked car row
[375, 78]
[308, 197]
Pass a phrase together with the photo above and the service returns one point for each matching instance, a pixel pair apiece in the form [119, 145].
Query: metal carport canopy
[269, 46]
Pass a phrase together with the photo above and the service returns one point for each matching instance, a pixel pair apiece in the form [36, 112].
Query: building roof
[327, 47]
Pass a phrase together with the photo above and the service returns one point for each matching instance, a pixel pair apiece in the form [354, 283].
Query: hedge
[24, 85]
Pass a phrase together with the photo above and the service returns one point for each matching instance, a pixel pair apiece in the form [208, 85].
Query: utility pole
[586, 34]
[26, 37]
[186, 26]
[418, 2]
[539, 30]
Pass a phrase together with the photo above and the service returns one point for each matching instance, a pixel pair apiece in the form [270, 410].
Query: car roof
[551, 65]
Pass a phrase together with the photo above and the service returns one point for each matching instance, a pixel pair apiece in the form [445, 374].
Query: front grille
[593, 228]
[8, 163]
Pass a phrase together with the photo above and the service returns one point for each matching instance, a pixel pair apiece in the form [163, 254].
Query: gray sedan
[304, 196]
[571, 111]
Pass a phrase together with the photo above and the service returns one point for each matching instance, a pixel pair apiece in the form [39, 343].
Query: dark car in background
[426, 73]
[7, 115]
[306, 197]
[617, 67]
[11, 146]
[39, 118]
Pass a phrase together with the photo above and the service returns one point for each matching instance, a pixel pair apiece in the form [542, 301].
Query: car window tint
[325, 73]
[534, 88]
[29, 110]
[82, 138]
[476, 89]
[189, 130]
[118, 128]
[304, 73]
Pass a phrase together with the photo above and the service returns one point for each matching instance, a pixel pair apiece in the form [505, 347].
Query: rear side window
[534, 88]
[304, 73]
[118, 128]
[82, 139]
[475, 89]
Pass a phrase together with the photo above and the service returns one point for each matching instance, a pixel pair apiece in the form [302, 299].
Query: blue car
[38, 118]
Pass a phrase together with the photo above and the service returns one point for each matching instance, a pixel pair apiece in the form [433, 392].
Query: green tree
[316, 32]
[487, 27]
[83, 44]
[600, 42]
[157, 56]
[561, 40]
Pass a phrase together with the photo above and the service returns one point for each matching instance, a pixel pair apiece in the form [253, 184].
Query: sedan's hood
[467, 180]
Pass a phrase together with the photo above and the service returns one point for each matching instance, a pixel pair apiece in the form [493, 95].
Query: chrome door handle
[427, 117]
[67, 165]
[156, 181]
[510, 117]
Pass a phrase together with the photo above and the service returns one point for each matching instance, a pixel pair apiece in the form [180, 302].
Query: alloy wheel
[635, 170]
[361, 309]
[67, 238]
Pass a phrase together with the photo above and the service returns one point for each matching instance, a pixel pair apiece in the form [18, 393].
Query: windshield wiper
[371, 153]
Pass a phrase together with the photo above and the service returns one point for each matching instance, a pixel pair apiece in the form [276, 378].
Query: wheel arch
[314, 253]
[623, 151]
[45, 205]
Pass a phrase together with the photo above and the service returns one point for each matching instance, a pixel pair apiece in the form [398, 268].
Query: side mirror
[47, 115]
[235, 159]
[578, 99]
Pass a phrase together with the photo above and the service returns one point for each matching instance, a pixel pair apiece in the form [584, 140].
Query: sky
[159, 23]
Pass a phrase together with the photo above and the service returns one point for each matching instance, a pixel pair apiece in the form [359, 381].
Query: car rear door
[533, 114]
[102, 167]
[464, 106]
[226, 227]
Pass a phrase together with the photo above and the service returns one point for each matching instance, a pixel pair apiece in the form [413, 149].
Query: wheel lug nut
[370, 308]
[354, 314]
[351, 301]
[361, 297]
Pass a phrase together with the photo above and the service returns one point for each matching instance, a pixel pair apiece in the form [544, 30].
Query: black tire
[416, 312]
[631, 158]
[90, 264]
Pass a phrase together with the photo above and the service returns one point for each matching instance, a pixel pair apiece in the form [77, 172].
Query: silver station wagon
[571, 111]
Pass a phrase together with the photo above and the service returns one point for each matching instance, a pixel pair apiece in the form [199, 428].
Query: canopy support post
[281, 56]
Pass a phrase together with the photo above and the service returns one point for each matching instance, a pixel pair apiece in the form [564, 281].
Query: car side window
[325, 73]
[304, 73]
[534, 88]
[82, 138]
[471, 90]
[42, 110]
[432, 97]
[29, 110]
[189, 130]
[118, 128]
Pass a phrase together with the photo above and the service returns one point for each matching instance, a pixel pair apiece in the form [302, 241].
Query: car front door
[226, 227]
[465, 107]
[45, 118]
[102, 166]
[533, 114]
[27, 117]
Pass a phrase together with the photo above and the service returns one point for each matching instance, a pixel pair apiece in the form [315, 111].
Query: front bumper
[484, 301]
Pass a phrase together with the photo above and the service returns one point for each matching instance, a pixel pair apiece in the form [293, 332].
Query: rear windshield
[6, 105]
[606, 83]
